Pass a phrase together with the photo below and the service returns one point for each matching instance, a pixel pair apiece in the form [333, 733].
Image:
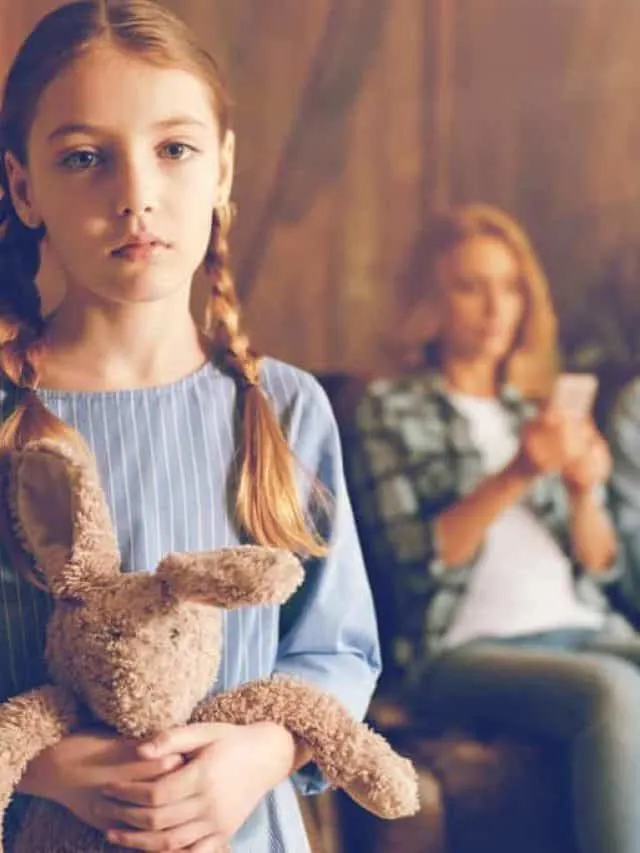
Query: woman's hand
[554, 442]
[575, 449]
[199, 806]
[74, 772]
[591, 468]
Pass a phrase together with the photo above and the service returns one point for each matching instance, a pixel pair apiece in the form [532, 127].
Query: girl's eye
[80, 161]
[177, 150]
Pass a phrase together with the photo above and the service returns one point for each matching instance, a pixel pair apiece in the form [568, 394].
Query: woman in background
[483, 504]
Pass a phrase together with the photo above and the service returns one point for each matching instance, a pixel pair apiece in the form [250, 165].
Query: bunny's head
[140, 650]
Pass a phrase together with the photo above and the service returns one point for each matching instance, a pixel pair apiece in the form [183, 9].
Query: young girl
[117, 156]
[487, 507]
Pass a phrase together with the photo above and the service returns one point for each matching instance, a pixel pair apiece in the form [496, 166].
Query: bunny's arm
[29, 723]
[232, 577]
[350, 755]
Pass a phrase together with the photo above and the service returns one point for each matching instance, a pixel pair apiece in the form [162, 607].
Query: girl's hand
[552, 442]
[199, 806]
[74, 772]
[591, 468]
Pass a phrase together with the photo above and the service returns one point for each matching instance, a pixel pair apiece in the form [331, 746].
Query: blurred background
[356, 117]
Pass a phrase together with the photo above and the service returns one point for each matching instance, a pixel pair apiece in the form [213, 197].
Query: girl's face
[123, 153]
[481, 299]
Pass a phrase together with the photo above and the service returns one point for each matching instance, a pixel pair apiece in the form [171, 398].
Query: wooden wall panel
[333, 271]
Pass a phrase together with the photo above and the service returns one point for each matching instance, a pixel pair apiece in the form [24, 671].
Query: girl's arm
[329, 634]
[76, 771]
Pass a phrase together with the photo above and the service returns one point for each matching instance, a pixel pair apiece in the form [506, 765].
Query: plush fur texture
[140, 652]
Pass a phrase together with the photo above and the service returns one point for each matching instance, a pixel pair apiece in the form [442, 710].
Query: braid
[230, 345]
[267, 502]
[21, 332]
[20, 321]
[22, 327]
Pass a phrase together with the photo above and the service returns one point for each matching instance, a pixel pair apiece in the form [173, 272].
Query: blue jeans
[575, 686]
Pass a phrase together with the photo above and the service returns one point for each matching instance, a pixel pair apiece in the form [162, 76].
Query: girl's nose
[134, 194]
[135, 211]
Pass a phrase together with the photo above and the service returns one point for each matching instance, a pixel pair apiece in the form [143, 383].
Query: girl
[117, 156]
[488, 507]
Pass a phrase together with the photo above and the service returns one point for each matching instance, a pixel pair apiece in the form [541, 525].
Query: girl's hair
[268, 507]
[532, 363]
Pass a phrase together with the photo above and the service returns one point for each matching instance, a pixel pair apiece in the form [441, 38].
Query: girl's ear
[227, 163]
[60, 516]
[21, 191]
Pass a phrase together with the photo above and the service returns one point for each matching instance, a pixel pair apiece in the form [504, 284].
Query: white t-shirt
[523, 582]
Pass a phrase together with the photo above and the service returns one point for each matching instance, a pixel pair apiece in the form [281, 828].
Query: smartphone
[574, 394]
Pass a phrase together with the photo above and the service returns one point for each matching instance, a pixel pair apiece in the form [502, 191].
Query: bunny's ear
[60, 516]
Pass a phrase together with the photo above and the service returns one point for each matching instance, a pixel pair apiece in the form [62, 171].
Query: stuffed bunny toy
[140, 652]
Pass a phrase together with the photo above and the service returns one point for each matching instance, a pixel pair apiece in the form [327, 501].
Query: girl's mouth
[137, 251]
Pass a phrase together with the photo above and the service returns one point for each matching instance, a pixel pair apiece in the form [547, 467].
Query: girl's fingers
[184, 739]
[151, 768]
[114, 813]
[172, 788]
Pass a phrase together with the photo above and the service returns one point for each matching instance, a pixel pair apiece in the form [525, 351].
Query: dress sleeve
[329, 635]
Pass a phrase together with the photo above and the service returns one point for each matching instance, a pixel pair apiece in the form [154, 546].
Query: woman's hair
[268, 507]
[532, 363]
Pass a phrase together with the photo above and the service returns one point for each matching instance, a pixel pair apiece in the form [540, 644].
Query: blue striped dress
[164, 455]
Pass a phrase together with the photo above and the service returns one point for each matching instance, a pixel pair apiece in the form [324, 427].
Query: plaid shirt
[411, 457]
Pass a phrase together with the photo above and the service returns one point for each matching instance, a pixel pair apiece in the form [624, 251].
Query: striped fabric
[165, 455]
